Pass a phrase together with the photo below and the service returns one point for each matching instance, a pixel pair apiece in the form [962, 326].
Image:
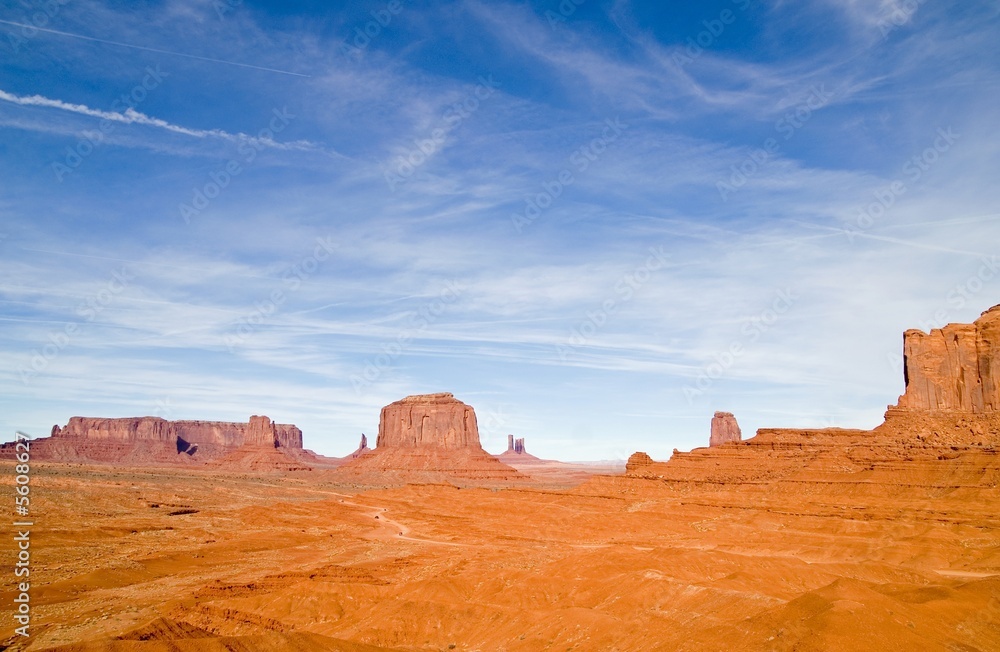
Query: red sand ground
[774, 545]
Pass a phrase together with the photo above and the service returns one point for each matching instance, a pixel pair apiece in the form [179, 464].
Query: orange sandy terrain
[895, 551]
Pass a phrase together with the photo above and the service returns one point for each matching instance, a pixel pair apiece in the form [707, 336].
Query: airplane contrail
[900, 241]
[131, 116]
[148, 49]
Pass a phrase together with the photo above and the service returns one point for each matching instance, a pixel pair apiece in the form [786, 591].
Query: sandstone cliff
[949, 411]
[152, 440]
[427, 438]
[636, 462]
[435, 420]
[724, 429]
[955, 368]
[218, 433]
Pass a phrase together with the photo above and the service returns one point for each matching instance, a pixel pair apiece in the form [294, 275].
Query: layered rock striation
[427, 438]
[636, 462]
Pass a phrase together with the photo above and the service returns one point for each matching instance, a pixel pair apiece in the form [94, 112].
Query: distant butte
[636, 462]
[140, 441]
[516, 453]
[724, 429]
[362, 447]
[427, 438]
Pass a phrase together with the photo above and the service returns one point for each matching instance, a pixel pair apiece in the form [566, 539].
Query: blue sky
[595, 223]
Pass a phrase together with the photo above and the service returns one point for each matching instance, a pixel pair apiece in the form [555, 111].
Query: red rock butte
[428, 438]
[257, 431]
[435, 420]
[955, 368]
[724, 429]
[516, 453]
[156, 441]
[515, 445]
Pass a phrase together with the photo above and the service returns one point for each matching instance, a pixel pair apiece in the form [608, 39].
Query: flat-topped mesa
[128, 429]
[259, 431]
[428, 421]
[953, 369]
[724, 429]
[428, 438]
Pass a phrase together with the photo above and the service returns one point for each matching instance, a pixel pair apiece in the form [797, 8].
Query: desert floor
[155, 559]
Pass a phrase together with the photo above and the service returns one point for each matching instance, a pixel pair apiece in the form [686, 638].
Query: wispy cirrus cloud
[523, 295]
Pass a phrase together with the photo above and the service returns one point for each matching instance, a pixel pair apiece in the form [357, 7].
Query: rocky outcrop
[428, 420]
[724, 429]
[427, 438]
[261, 432]
[516, 454]
[361, 449]
[515, 446]
[955, 368]
[945, 426]
[130, 429]
[152, 440]
[636, 462]
[215, 433]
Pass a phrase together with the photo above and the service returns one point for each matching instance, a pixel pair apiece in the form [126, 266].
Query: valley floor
[156, 559]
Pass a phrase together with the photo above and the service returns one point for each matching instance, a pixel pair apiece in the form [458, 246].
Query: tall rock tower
[724, 429]
[953, 369]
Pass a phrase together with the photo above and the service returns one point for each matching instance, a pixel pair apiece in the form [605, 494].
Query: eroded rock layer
[427, 438]
[152, 440]
[724, 429]
[428, 420]
[948, 413]
[955, 368]
[219, 433]
[636, 462]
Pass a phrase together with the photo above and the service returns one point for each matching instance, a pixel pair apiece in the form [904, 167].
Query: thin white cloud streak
[149, 49]
[133, 117]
